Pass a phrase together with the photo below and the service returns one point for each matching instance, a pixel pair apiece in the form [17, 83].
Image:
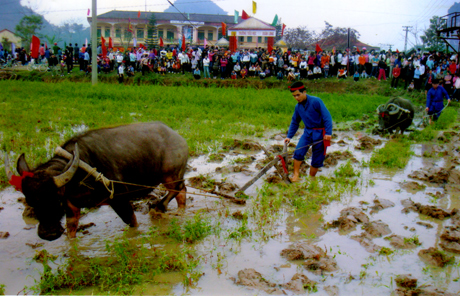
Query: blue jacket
[435, 98]
[314, 114]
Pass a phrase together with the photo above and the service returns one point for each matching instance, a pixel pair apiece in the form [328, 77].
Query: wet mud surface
[399, 234]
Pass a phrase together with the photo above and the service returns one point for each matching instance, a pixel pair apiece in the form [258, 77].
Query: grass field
[36, 117]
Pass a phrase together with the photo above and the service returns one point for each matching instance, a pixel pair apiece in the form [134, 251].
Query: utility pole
[406, 28]
[94, 42]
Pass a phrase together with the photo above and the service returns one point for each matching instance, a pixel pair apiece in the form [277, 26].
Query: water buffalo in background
[396, 113]
[142, 153]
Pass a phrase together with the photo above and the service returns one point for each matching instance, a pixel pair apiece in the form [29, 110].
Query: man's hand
[426, 109]
[327, 137]
[287, 140]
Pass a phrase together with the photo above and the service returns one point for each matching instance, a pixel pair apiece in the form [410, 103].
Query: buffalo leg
[72, 218]
[177, 191]
[124, 209]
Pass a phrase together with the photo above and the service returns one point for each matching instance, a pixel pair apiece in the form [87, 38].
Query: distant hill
[205, 7]
[11, 12]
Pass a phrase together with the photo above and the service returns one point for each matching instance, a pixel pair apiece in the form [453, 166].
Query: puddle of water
[360, 272]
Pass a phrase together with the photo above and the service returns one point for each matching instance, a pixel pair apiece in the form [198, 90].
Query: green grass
[128, 264]
[395, 154]
[191, 230]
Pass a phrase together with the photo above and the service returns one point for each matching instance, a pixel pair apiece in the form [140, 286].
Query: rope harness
[109, 184]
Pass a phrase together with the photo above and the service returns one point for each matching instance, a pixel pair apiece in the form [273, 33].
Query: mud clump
[29, 213]
[249, 277]
[316, 260]
[83, 227]
[348, 219]
[35, 246]
[437, 175]
[367, 143]
[376, 228]
[406, 281]
[4, 235]
[450, 239]
[381, 204]
[239, 216]
[431, 211]
[299, 284]
[217, 157]
[334, 157]
[233, 169]
[365, 240]
[274, 179]
[400, 242]
[227, 187]
[246, 145]
[412, 186]
[427, 225]
[435, 257]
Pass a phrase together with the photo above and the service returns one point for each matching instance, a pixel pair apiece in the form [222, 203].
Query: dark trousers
[394, 82]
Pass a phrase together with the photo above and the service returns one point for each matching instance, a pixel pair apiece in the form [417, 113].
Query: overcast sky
[379, 22]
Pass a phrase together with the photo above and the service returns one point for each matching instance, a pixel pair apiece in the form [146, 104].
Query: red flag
[110, 42]
[270, 43]
[224, 29]
[282, 30]
[358, 50]
[245, 16]
[104, 49]
[318, 49]
[183, 42]
[161, 42]
[139, 14]
[397, 51]
[88, 12]
[35, 46]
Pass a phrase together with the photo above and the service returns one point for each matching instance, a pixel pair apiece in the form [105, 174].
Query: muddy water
[359, 273]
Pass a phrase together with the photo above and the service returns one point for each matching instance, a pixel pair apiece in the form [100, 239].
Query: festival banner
[282, 29]
[237, 15]
[104, 48]
[254, 7]
[35, 46]
[244, 16]
[224, 29]
[275, 20]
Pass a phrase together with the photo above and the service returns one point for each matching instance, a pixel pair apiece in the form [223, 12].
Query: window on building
[118, 32]
[160, 34]
[140, 34]
[259, 39]
[266, 39]
[170, 34]
[107, 33]
[200, 35]
[210, 36]
[241, 39]
[249, 39]
[98, 33]
[219, 35]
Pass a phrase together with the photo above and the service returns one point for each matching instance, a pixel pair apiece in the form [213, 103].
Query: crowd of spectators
[413, 72]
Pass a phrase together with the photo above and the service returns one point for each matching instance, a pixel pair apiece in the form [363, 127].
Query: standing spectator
[382, 68]
[86, 60]
[121, 73]
[417, 78]
[429, 80]
[76, 53]
[206, 67]
[223, 67]
[375, 66]
[395, 74]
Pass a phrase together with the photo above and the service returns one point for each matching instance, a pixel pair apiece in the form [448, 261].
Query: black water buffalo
[396, 113]
[142, 153]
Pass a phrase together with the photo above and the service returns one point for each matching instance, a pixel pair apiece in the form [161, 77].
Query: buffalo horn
[66, 176]
[378, 108]
[8, 171]
[394, 110]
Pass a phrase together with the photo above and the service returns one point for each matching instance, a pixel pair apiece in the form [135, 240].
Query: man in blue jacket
[317, 133]
[435, 100]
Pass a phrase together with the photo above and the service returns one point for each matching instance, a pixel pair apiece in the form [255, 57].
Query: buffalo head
[43, 189]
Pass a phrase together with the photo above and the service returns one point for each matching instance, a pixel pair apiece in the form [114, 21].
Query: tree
[152, 33]
[298, 37]
[6, 43]
[29, 25]
[430, 39]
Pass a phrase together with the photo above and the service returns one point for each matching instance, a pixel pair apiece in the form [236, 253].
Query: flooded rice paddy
[358, 261]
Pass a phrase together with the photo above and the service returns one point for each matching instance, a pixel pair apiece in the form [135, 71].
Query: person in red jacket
[396, 73]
